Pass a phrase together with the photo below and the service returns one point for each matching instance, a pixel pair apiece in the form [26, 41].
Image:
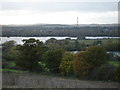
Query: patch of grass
[115, 63]
[12, 70]
[86, 41]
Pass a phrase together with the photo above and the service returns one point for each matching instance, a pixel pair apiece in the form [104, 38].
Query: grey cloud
[62, 6]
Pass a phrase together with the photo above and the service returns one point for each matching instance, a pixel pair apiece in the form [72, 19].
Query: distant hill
[62, 25]
[80, 31]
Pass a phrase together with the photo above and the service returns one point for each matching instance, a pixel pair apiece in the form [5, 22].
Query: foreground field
[28, 80]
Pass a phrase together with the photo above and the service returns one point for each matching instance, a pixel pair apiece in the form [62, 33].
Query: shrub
[96, 56]
[104, 72]
[85, 61]
[118, 58]
[66, 66]
[4, 64]
[81, 67]
[117, 74]
[112, 46]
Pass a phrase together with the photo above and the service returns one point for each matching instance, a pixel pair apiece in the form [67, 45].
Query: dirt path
[38, 81]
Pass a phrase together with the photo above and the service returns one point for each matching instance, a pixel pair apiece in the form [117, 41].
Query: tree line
[35, 56]
[60, 30]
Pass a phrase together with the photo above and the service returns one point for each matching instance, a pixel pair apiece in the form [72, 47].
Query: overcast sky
[58, 12]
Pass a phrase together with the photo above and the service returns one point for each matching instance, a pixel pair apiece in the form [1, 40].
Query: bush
[118, 58]
[112, 46]
[66, 66]
[96, 56]
[4, 64]
[104, 72]
[52, 59]
[85, 61]
[80, 66]
[117, 74]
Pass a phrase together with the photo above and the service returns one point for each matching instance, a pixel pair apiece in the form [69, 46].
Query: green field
[115, 63]
[11, 70]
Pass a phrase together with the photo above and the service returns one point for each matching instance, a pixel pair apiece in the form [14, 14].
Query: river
[101, 37]
[116, 53]
[43, 39]
[19, 39]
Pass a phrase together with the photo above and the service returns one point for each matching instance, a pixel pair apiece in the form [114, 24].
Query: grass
[115, 63]
[29, 80]
[11, 70]
[11, 64]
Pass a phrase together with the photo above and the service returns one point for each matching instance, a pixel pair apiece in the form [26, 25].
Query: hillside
[79, 31]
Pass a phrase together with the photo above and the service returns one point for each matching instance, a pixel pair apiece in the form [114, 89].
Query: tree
[66, 66]
[8, 45]
[30, 53]
[53, 59]
[112, 46]
[51, 41]
[8, 50]
[11, 54]
[80, 66]
[87, 60]
[96, 56]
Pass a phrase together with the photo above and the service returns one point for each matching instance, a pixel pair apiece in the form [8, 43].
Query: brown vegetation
[28, 80]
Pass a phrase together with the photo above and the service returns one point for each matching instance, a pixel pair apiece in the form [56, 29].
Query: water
[102, 37]
[43, 39]
[19, 39]
[116, 53]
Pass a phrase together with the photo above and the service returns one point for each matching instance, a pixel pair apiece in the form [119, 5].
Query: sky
[58, 11]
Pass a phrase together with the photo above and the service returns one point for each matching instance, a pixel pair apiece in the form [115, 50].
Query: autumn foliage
[66, 66]
[85, 61]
